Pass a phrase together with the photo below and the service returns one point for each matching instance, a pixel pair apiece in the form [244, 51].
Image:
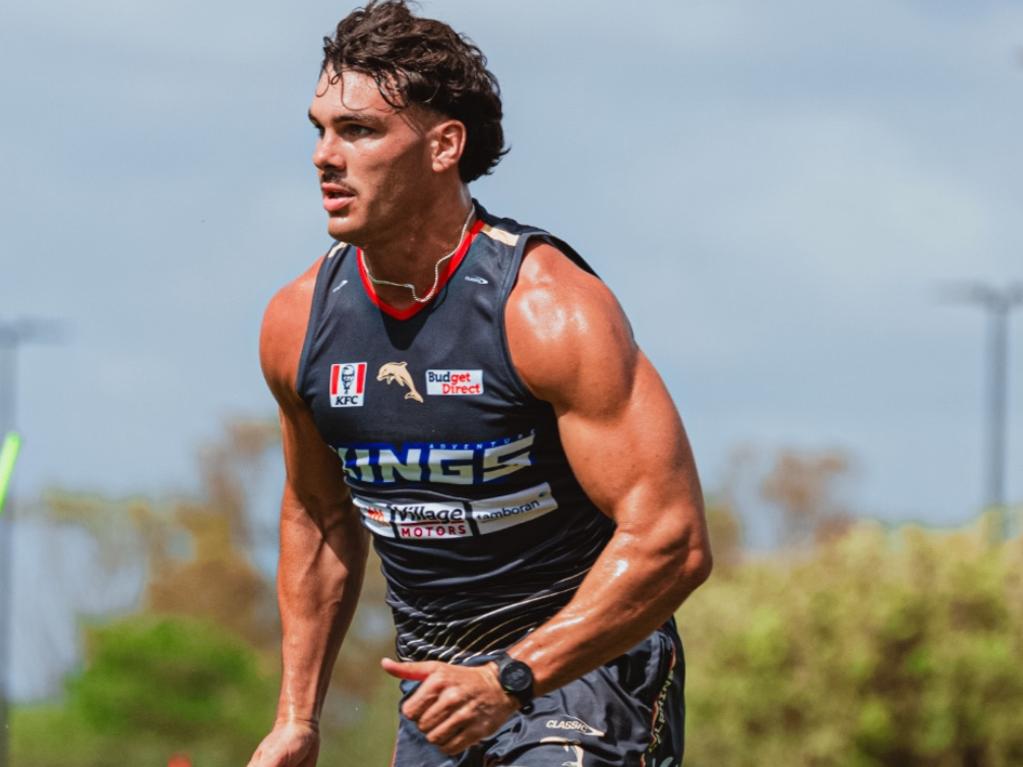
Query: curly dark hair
[423, 61]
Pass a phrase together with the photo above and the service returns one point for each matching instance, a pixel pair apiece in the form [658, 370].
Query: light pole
[999, 305]
[13, 335]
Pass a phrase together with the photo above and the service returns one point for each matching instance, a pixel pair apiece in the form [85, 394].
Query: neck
[418, 242]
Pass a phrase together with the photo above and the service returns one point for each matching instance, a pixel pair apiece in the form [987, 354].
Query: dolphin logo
[398, 371]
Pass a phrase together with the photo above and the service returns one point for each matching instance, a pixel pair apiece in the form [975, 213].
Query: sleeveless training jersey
[456, 469]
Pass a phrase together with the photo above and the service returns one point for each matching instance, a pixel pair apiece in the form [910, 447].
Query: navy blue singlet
[456, 469]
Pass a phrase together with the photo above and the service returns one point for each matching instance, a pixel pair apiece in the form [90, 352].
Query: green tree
[153, 686]
[200, 574]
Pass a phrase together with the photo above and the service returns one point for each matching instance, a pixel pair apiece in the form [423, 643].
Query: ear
[447, 142]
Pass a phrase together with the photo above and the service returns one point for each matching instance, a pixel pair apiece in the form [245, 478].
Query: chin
[343, 229]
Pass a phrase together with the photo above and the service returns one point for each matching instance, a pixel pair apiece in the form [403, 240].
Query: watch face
[516, 677]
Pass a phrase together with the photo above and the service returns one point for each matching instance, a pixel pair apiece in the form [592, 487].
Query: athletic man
[464, 388]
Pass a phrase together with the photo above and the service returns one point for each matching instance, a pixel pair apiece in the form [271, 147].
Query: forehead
[351, 92]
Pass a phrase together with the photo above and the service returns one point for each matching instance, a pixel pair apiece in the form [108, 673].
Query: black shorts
[627, 713]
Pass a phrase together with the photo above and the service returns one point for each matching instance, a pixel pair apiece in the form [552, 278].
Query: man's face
[347, 376]
[374, 162]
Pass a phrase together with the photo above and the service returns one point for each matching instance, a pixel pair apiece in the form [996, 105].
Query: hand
[454, 706]
[289, 744]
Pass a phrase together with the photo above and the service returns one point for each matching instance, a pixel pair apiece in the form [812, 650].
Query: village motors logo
[454, 382]
[453, 518]
[347, 384]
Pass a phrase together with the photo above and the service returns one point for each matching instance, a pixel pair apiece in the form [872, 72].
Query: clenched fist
[289, 744]
[455, 707]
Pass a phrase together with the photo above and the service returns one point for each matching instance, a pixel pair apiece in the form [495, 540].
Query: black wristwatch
[516, 678]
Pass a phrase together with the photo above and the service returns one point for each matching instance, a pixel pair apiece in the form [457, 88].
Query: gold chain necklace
[436, 267]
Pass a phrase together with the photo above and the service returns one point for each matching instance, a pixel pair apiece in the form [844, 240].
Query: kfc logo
[347, 384]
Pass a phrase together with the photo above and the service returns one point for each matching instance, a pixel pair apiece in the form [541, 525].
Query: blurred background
[811, 214]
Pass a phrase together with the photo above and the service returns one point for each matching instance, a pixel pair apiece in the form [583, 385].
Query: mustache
[335, 179]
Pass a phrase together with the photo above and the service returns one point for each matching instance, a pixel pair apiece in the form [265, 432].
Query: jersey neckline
[452, 266]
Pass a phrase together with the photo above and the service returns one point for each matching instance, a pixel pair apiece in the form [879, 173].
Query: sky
[776, 194]
[775, 191]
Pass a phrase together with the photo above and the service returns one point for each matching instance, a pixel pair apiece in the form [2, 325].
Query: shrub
[878, 649]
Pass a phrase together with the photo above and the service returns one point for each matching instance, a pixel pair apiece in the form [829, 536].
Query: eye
[354, 131]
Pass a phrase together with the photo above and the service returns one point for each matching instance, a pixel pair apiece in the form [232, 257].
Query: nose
[327, 153]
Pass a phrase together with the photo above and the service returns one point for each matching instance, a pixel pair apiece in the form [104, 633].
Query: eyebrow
[343, 117]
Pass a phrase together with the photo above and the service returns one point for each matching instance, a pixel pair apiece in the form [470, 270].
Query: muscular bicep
[313, 471]
[627, 447]
[623, 438]
[621, 432]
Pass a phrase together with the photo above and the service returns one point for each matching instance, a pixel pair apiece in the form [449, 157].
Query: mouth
[336, 197]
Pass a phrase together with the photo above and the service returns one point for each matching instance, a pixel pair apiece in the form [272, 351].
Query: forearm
[635, 585]
[318, 583]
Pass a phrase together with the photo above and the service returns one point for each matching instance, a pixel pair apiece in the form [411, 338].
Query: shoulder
[283, 333]
[565, 325]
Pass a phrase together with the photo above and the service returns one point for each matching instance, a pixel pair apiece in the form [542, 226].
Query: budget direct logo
[347, 384]
[466, 383]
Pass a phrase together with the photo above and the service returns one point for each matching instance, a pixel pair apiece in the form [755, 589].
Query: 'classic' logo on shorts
[574, 725]
[347, 384]
[466, 383]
